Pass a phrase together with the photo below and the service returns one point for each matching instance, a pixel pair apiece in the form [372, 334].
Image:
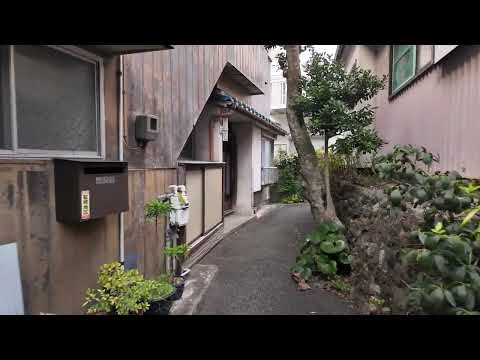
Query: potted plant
[179, 252]
[121, 292]
[161, 298]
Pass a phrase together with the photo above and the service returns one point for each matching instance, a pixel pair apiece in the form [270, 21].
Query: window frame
[15, 152]
[417, 72]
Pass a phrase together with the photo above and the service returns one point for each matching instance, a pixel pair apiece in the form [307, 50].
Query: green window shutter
[403, 66]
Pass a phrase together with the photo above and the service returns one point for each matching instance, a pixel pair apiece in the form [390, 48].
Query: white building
[279, 103]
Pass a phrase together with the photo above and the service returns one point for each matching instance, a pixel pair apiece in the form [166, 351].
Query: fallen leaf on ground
[302, 286]
[297, 277]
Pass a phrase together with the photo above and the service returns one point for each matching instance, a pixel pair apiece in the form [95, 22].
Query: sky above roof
[329, 49]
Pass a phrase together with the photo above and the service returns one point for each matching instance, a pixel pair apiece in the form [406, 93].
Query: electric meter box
[86, 190]
[146, 127]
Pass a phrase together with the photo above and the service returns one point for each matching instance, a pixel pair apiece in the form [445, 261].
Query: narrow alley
[254, 264]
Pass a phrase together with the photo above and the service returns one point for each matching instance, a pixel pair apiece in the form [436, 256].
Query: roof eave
[114, 50]
[236, 75]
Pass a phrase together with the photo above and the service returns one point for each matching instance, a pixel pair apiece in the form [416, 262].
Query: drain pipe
[120, 153]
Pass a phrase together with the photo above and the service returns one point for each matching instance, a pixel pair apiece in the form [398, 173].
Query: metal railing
[269, 175]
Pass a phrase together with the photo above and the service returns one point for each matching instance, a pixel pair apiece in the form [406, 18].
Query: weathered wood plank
[134, 221]
[149, 228]
[111, 67]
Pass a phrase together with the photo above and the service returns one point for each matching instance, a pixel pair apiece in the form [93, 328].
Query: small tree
[289, 62]
[335, 102]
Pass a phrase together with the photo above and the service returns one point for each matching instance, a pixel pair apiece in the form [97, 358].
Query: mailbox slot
[86, 190]
[104, 170]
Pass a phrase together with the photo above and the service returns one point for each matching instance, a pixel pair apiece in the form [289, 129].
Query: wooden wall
[175, 85]
[143, 246]
[58, 262]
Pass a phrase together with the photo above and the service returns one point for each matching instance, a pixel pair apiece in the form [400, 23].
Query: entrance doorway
[229, 179]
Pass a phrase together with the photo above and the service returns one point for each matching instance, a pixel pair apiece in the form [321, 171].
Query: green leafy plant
[336, 102]
[363, 141]
[289, 179]
[156, 208]
[179, 252]
[292, 199]
[375, 301]
[442, 195]
[446, 250]
[121, 292]
[340, 285]
[323, 251]
[449, 277]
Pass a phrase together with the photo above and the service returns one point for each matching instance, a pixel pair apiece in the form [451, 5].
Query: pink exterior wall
[439, 110]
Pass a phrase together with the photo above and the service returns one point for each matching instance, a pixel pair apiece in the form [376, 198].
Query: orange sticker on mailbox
[85, 205]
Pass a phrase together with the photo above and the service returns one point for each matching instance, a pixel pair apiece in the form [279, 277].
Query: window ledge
[417, 76]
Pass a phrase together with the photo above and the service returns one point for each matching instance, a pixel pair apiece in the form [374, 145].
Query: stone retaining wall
[376, 234]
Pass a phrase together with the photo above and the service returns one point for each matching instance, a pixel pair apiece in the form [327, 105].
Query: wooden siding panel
[194, 184]
[189, 74]
[167, 94]
[10, 207]
[135, 220]
[149, 228]
[213, 198]
[134, 101]
[111, 67]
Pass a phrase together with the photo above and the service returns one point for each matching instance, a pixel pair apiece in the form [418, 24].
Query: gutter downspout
[120, 154]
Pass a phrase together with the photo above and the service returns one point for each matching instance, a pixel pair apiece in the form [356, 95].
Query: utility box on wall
[146, 127]
[86, 190]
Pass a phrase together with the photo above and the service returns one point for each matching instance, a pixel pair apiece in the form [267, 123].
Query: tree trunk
[309, 165]
[330, 211]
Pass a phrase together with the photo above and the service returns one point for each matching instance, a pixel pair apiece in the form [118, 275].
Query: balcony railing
[269, 175]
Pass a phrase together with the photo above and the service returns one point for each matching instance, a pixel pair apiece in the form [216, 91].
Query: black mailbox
[86, 190]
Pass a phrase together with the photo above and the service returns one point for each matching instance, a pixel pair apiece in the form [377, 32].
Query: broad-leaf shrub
[289, 178]
[447, 247]
[324, 251]
[449, 277]
[121, 292]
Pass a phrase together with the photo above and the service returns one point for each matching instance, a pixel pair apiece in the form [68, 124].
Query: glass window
[5, 128]
[408, 61]
[404, 64]
[267, 152]
[49, 101]
[56, 100]
[424, 56]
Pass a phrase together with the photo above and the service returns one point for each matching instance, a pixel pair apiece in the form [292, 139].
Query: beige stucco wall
[256, 158]
[244, 199]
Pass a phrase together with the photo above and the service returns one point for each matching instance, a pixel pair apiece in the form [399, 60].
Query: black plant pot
[161, 307]
[177, 295]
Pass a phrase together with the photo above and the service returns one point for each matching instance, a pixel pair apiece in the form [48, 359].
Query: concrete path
[254, 270]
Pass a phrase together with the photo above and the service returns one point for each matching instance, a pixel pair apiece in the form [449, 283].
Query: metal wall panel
[439, 110]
